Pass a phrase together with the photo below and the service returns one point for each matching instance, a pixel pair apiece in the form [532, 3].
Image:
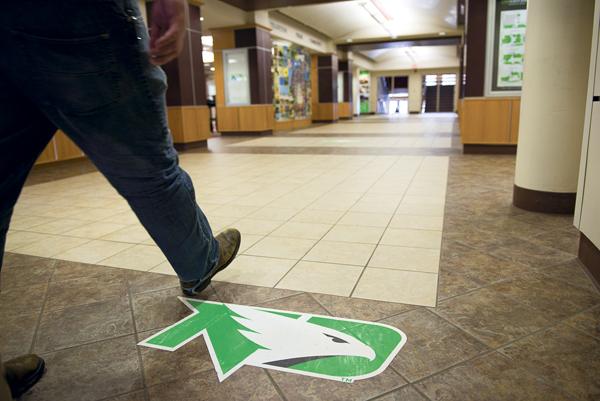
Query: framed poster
[509, 45]
[237, 80]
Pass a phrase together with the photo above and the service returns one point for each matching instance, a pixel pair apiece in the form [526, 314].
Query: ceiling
[363, 20]
[419, 57]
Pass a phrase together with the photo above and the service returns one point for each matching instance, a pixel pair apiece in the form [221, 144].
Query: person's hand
[167, 30]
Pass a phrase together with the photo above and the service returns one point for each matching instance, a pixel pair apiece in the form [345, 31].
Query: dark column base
[589, 255]
[325, 121]
[346, 118]
[544, 202]
[414, 112]
[469, 149]
[191, 145]
[247, 133]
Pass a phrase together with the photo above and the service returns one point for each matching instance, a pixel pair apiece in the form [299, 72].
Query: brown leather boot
[229, 245]
[23, 372]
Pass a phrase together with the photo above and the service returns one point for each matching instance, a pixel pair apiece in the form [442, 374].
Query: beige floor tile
[341, 252]
[138, 257]
[279, 247]
[232, 211]
[126, 217]
[51, 246]
[402, 258]
[374, 207]
[366, 219]
[424, 200]
[133, 234]
[217, 223]
[94, 230]
[365, 235]
[25, 222]
[324, 278]
[293, 229]
[420, 210]
[415, 288]
[58, 226]
[256, 227]
[318, 216]
[417, 222]
[96, 214]
[93, 251]
[412, 238]
[164, 268]
[18, 239]
[270, 213]
[248, 240]
[253, 270]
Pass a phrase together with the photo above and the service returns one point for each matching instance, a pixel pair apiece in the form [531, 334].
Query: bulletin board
[291, 82]
[509, 45]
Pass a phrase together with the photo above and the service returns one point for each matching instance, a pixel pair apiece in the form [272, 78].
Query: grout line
[42, 310]
[135, 331]
[275, 385]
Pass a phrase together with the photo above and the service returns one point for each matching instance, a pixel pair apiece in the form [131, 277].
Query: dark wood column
[326, 109]
[189, 117]
[345, 104]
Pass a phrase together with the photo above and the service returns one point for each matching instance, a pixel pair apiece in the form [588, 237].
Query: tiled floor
[333, 224]
[516, 316]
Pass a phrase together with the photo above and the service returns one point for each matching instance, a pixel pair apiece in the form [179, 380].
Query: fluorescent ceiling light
[208, 57]
[207, 40]
[380, 15]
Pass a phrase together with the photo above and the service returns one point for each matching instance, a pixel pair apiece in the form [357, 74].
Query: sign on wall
[302, 343]
[237, 80]
[509, 45]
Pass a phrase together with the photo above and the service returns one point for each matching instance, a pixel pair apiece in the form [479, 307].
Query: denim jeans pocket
[77, 75]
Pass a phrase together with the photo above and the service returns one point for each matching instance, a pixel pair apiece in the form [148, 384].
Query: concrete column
[557, 52]
[415, 92]
[345, 104]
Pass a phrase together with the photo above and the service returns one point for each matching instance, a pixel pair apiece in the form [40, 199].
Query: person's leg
[88, 68]
[24, 133]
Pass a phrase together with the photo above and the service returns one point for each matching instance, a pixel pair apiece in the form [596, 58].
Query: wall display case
[237, 80]
[364, 79]
[291, 82]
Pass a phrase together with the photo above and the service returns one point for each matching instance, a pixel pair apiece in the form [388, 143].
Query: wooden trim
[191, 145]
[544, 202]
[470, 149]
[589, 256]
[189, 124]
[223, 38]
[290, 125]
[219, 78]
[65, 147]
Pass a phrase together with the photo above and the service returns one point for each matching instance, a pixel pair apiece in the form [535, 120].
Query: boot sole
[33, 379]
[205, 284]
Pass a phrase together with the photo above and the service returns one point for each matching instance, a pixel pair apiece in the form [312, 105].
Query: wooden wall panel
[219, 78]
[65, 148]
[488, 121]
[514, 120]
[258, 117]
[189, 123]
[325, 112]
[48, 154]
[289, 125]
[345, 110]
[227, 118]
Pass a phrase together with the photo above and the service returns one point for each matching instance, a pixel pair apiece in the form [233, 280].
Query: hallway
[374, 219]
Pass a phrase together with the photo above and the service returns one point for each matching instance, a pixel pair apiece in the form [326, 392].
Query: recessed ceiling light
[442, 33]
[349, 40]
[201, 18]
[212, 68]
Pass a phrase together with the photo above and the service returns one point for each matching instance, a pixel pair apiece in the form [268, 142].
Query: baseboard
[324, 121]
[544, 202]
[474, 149]
[191, 145]
[247, 133]
[589, 255]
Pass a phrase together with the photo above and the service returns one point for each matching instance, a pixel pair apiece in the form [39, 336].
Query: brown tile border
[544, 202]
[470, 149]
[247, 133]
[589, 255]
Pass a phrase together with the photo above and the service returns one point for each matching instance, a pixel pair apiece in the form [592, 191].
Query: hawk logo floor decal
[319, 346]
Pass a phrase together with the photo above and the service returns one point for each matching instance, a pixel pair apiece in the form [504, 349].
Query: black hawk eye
[336, 339]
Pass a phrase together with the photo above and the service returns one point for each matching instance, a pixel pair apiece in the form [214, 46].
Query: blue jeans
[82, 66]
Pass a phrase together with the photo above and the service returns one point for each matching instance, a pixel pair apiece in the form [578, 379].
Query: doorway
[438, 93]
